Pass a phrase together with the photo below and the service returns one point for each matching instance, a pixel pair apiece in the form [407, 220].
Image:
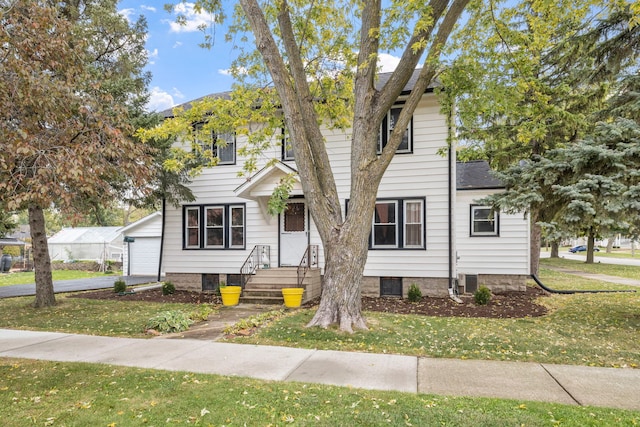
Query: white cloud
[151, 55]
[177, 44]
[177, 93]
[149, 8]
[159, 100]
[127, 13]
[193, 20]
[387, 63]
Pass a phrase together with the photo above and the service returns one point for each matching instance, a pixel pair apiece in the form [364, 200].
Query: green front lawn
[580, 329]
[43, 393]
[84, 316]
[627, 271]
[25, 278]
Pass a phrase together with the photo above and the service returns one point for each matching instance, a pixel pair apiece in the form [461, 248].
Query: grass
[77, 394]
[615, 253]
[627, 271]
[580, 329]
[25, 278]
[85, 316]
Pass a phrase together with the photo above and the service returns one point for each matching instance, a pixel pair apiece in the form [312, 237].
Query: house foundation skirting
[497, 283]
[372, 286]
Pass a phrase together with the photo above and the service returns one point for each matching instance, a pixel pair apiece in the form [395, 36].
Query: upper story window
[287, 149]
[387, 126]
[221, 145]
[484, 221]
[214, 227]
[398, 223]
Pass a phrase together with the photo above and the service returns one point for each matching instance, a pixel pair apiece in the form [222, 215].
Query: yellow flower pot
[292, 297]
[230, 295]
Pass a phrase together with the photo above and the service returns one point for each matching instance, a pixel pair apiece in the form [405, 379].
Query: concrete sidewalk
[573, 385]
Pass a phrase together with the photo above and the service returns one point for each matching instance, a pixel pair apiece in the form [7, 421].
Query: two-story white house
[428, 228]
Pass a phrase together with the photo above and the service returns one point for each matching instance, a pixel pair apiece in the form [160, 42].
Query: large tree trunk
[41, 261]
[555, 250]
[590, 245]
[610, 243]
[341, 302]
[534, 244]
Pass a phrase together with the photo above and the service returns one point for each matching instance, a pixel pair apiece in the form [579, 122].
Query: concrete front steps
[265, 286]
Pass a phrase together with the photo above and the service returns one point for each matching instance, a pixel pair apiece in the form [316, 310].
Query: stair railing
[259, 256]
[309, 260]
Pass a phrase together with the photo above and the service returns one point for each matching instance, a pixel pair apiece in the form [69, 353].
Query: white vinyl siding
[422, 176]
[505, 254]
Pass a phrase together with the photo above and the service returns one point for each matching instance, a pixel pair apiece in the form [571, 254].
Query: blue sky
[181, 70]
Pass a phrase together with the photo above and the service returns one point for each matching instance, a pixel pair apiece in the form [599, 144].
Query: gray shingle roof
[475, 175]
[382, 79]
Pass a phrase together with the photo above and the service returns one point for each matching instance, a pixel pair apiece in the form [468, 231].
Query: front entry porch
[265, 286]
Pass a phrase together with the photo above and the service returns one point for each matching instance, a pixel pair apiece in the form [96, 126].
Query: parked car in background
[582, 248]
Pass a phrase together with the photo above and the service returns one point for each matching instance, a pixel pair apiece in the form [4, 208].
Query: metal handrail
[260, 255]
[309, 260]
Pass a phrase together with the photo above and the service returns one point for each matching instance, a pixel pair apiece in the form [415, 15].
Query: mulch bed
[502, 305]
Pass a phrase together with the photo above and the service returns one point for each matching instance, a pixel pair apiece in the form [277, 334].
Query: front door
[294, 233]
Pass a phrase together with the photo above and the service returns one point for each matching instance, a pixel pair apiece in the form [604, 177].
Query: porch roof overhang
[260, 186]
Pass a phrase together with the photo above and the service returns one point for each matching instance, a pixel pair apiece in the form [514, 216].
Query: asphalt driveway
[75, 285]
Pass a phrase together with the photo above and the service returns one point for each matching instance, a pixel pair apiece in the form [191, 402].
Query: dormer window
[387, 126]
[221, 145]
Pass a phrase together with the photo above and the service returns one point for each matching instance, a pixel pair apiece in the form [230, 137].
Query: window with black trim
[387, 126]
[214, 226]
[484, 221]
[221, 145]
[398, 224]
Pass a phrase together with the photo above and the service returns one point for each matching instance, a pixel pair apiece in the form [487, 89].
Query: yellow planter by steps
[230, 295]
[292, 297]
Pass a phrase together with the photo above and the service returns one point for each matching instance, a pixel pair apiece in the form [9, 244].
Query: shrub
[482, 295]
[168, 288]
[414, 294]
[169, 321]
[201, 313]
[119, 286]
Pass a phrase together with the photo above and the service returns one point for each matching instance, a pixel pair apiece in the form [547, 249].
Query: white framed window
[224, 148]
[221, 145]
[385, 225]
[484, 221]
[414, 223]
[214, 226]
[192, 227]
[398, 224]
[387, 126]
[236, 224]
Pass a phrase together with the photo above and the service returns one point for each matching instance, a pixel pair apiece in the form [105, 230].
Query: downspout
[453, 291]
[164, 203]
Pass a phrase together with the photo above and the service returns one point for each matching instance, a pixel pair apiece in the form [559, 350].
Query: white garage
[142, 241]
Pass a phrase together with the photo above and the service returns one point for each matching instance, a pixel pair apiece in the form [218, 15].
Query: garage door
[145, 253]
